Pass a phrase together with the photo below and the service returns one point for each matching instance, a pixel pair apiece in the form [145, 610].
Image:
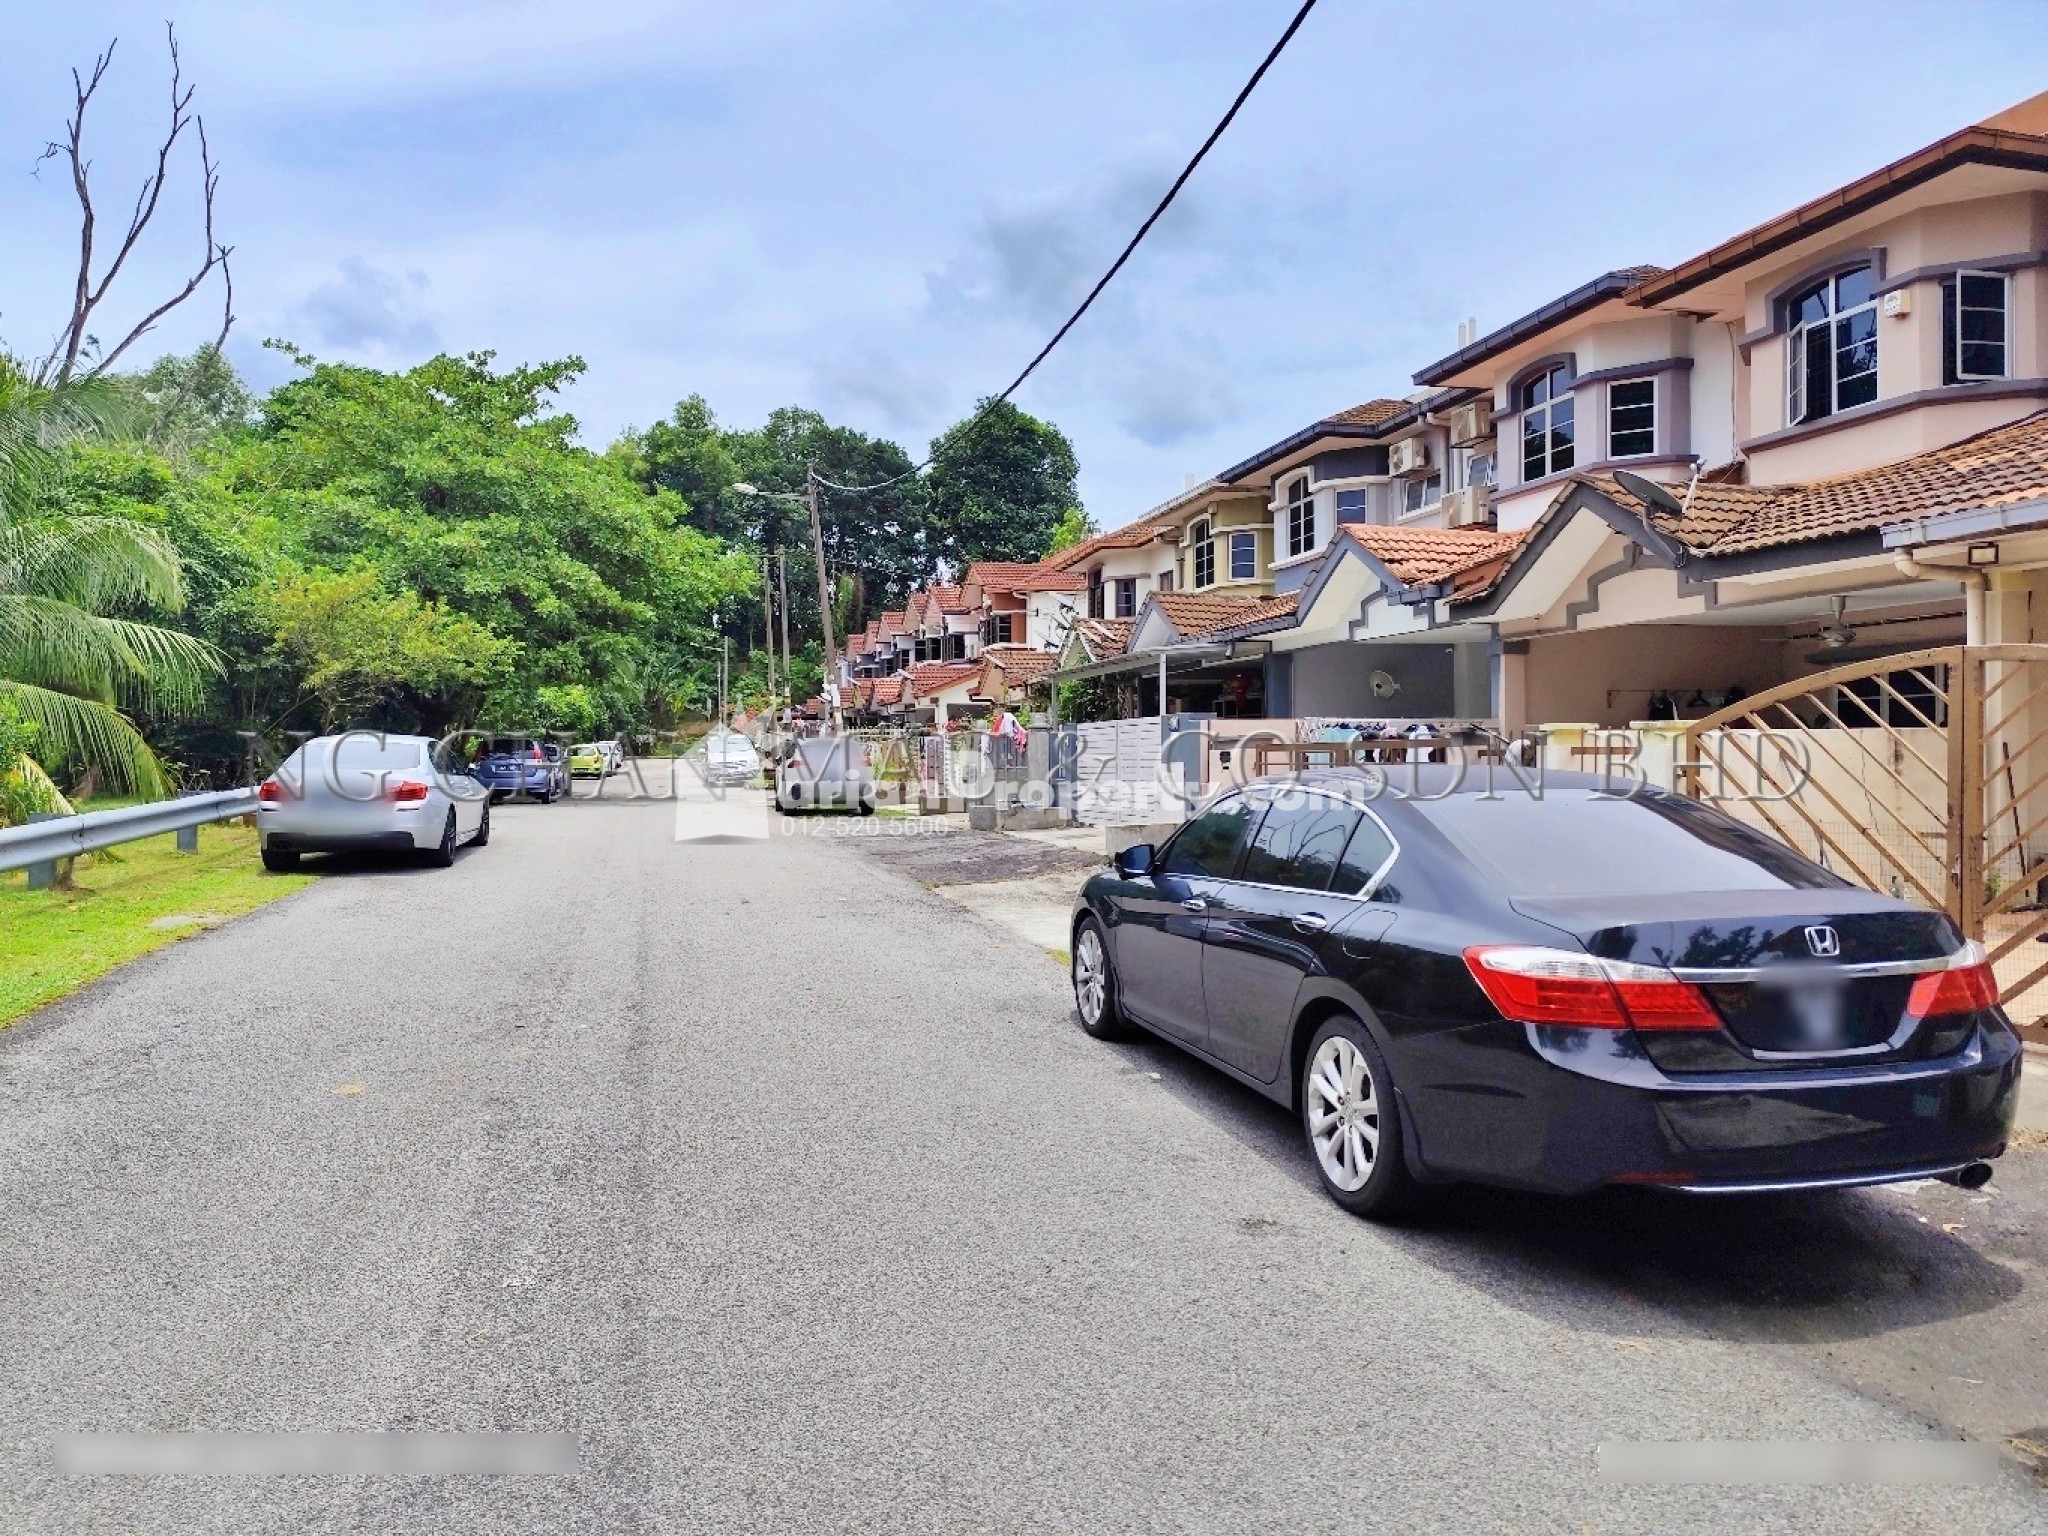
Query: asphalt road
[796, 1194]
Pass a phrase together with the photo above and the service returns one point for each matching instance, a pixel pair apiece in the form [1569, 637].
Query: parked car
[514, 765]
[367, 791]
[730, 759]
[824, 773]
[594, 760]
[1553, 993]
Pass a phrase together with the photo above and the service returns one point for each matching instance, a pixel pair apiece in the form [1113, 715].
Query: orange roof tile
[1370, 414]
[1019, 663]
[931, 677]
[1105, 637]
[1996, 468]
[1424, 556]
[1193, 614]
[1016, 576]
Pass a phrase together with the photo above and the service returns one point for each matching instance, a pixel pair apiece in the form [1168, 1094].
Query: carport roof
[2003, 466]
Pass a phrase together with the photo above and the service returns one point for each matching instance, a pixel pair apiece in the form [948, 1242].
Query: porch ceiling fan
[1837, 635]
[1837, 639]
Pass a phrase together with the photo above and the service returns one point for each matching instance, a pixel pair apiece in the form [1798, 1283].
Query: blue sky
[882, 207]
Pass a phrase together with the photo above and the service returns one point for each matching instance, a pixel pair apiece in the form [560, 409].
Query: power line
[1123, 256]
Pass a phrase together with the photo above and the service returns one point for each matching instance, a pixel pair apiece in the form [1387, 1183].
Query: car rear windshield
[357, 752]
[1570, 843]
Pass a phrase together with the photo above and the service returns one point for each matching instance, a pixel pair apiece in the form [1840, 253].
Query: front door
[1163, 917]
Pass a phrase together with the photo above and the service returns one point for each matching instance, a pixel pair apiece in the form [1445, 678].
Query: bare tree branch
[89, 292]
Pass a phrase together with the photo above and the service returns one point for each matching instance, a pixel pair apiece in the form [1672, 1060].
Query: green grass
[54, 942]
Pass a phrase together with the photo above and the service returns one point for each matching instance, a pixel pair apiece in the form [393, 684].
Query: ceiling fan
[1837, 641]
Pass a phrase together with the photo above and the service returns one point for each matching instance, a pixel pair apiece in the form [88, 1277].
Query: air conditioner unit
[1466, 508]
[1472, 423]
[1410, 456]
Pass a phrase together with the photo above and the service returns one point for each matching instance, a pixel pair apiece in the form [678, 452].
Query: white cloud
[367, 308]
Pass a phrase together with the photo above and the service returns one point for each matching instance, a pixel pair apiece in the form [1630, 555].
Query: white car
[366, 791]
[730, 759]
[826, 773]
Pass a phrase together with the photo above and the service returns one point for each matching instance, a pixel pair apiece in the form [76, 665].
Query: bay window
[1204, 556]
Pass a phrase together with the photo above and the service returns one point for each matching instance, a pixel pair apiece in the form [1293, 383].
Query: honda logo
[1823, 942]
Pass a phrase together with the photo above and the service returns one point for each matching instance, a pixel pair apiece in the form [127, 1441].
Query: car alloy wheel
[1091, 976]
[444, 854]
[1095, 984]
[483, 828]
[1343, 1114]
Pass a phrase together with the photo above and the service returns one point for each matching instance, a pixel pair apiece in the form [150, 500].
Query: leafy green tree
[690, 455]
[25, 790]
[1074, 527]
[1000, 484]
[461, 485]
[880, 539]
[356, 647]
[77, 584]
[180, 402]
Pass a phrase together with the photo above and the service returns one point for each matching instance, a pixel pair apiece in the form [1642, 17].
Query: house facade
[1825, 438]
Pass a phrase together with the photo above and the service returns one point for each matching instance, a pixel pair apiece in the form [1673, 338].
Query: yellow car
[589, 761]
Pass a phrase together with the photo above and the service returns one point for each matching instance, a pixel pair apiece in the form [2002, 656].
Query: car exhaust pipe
[1969, 1176]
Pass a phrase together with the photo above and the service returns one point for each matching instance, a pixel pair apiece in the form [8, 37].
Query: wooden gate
[1924, 774]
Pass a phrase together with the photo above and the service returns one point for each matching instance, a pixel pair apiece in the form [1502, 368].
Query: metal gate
[1924, 774]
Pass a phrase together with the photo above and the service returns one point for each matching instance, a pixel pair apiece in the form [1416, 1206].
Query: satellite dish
[1384, 685]
[1649, 493]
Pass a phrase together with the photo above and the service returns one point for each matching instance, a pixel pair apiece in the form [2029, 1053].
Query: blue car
[514, 766]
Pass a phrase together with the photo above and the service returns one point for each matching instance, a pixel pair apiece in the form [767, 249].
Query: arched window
[1831, 346]
[1301, 518]
[1204, 555]
[1547, 427]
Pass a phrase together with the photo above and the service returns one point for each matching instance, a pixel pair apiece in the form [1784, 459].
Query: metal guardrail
[63, 837]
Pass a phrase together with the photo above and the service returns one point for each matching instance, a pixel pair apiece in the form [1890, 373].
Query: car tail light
[1534, 985]
[535, 754]
[1966, 986]
[409, 793]
[270, 792]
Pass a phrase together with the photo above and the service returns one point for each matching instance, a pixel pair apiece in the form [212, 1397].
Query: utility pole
[768, 629]
[824, 591]
[788, 675]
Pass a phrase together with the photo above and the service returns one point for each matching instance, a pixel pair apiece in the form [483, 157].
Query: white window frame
[1544, 414]
[1203, 550]
[1301, 518]
[1614, 452]
[1416, 497]
[1125, 586]
[1251, 560]
[1798, 338]
[2004, 281]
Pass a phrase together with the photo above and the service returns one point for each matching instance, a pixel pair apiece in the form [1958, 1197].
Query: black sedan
[1552, 991]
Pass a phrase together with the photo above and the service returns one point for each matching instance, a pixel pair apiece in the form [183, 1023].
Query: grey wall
[1279, 685]
[1334, 679]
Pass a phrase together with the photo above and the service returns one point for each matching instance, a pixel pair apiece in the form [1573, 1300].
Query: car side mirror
[1134, 861]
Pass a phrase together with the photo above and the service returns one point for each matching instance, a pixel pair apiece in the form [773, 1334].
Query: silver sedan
[368, 791]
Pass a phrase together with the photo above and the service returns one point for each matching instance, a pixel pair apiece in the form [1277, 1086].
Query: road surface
[794, 1193]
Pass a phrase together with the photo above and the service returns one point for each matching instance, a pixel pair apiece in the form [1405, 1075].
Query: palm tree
[70, 657]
